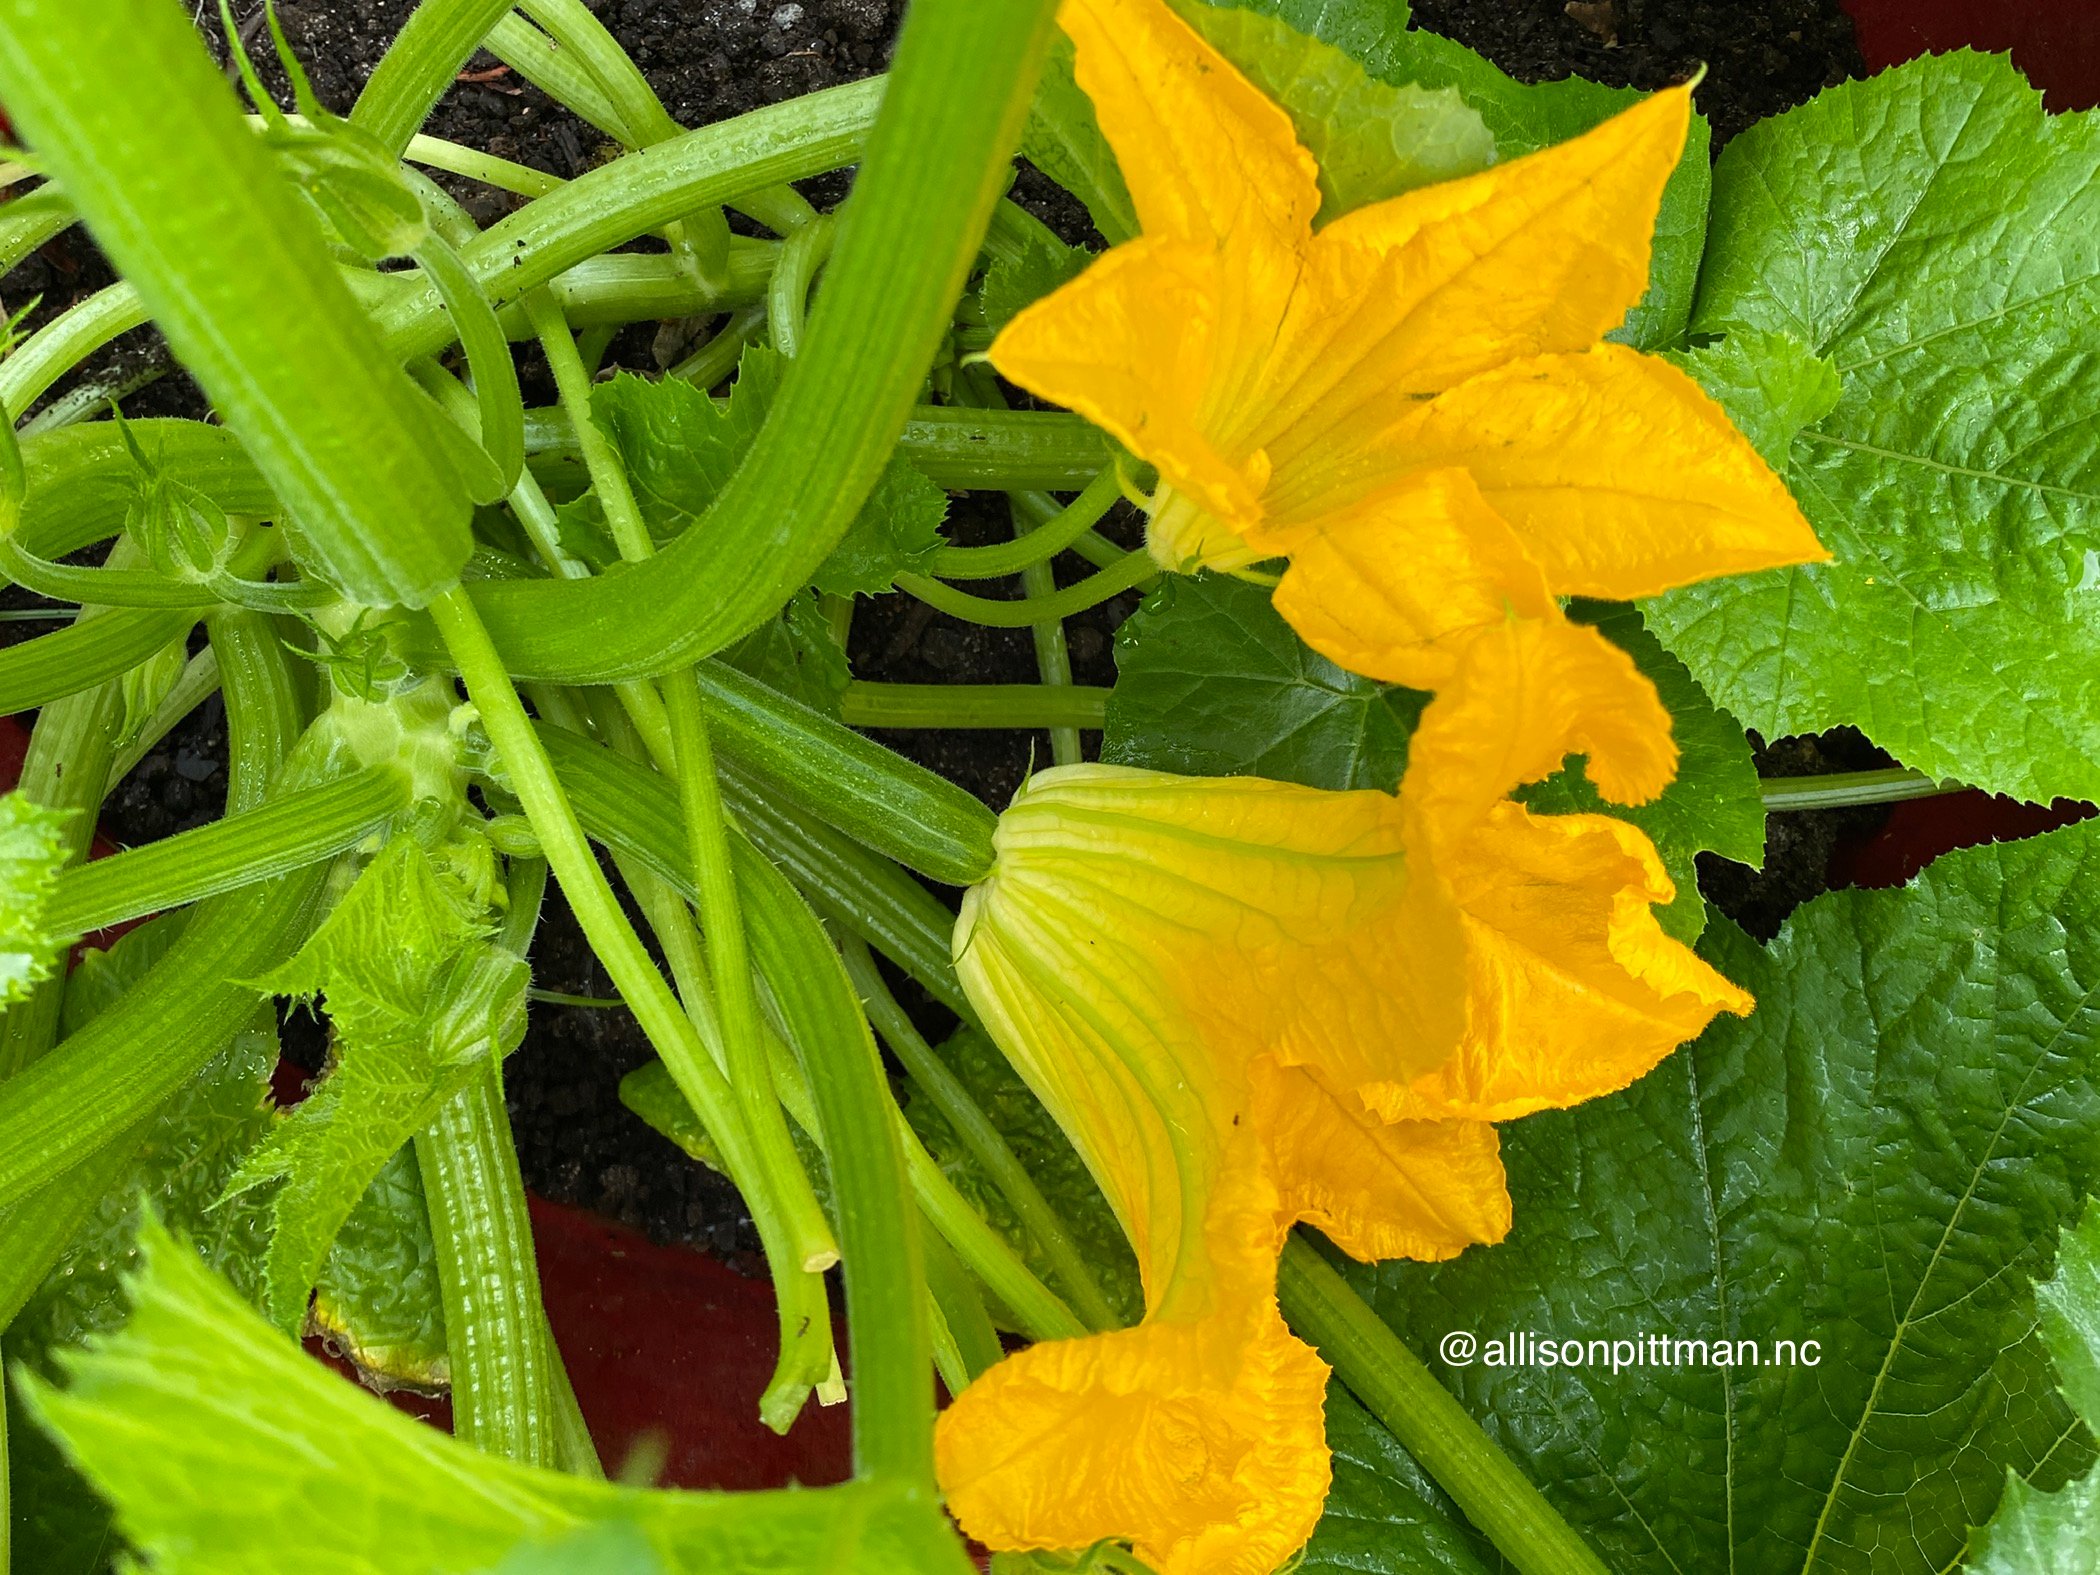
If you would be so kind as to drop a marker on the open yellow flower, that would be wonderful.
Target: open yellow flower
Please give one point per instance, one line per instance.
(1250, 1003)
(1308, 394)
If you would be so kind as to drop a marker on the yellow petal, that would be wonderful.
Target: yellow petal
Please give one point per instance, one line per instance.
(1414, 1189)
(1395, 587)
(1573, 988)
(1526, 695)
(1406, 297)
(1206, 157)
(1129, 344)
(1211, 1456)
(1199, 1434)
(1619, 474)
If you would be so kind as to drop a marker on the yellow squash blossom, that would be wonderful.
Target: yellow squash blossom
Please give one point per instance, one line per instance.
(1321, 395)
(1251, 1003)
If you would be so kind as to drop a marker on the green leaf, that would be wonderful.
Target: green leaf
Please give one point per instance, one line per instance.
(2037, 1533)
(190, 1149)
(223, 1445)
(796, 653)
(1879, 1159)
(32, 853)
(1047, 1156)
(612, 1548)
(1936, 237)
(1042, 264)
(1384, 1514)
(1063, 140)
(1524, 117)
(378, 1298)
(681, 448)
(1210, 681)
(1373, 140)
(1771, 385)
(1713, 805)
(417, 993)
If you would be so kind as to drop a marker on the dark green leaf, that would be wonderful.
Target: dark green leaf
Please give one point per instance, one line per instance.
(2036, 1533)
(378, 1298)
(1372, 139)
(1384, 1514)
(1936, 237)
(796, 653)
(1043, 1152)
(1879, 1159)
(1042, 265)
(1212, 682)
(1712, 806)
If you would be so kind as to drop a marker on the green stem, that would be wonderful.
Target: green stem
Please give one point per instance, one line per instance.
(787, 301)
(420, 64)
(716, 359)
(1844, 789)
(1044, 541)
(1136, 569)
(1423, 1415)
(598, 911)
(984, 1141)
(502, 1395)
(438, 154)
(866, 704)
(289, 832)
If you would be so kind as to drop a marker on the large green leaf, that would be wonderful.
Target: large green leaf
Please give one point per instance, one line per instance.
(1210, 681)
(1384, 1515)
(1712, 807)
(2037, 1533)
(1880, 1160)
(1936, 237)
(418, 993)
(227, 1451)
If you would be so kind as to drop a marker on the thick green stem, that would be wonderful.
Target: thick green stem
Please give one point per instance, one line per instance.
(1423, 1415)
(288, 833)
(1844, 789)
(787, 299)
(1135, 569)
(502, 1393)
(973, 705)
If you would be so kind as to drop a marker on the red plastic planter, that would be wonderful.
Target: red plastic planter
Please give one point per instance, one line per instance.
(2056, 42)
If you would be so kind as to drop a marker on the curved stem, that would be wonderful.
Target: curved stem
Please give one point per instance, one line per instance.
(787, 301)
(1135, 570)
(1392, 1382)
(420, 64)
(1042, 542)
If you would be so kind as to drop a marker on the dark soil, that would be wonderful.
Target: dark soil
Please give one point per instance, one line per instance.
(1761, 56)
(710, 59)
